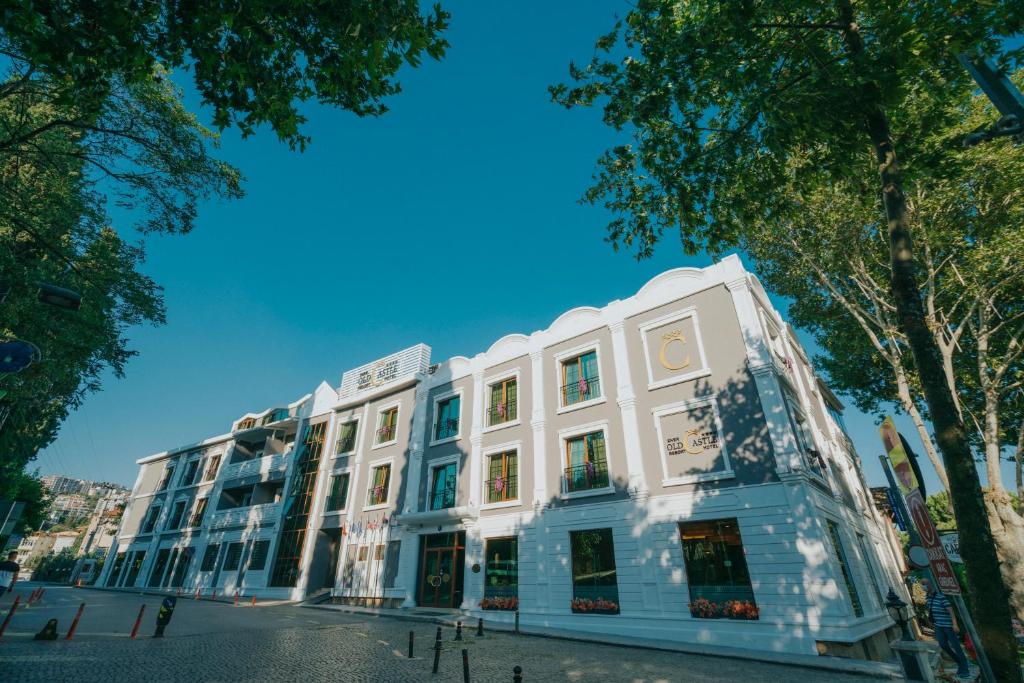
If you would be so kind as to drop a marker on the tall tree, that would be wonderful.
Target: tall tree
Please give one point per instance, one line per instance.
(719, 97)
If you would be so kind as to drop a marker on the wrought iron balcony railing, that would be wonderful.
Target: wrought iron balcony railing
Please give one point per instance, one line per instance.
(445, 498)
(503, 411)
(502, 489)
(585, 477)
(446, 429)
(583, 389)
(385, 433)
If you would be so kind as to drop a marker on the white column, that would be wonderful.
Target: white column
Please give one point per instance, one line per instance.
(476, 438)
(407, 561)
(761, 366)
(415, 470)
(538, 422)
(627, 407)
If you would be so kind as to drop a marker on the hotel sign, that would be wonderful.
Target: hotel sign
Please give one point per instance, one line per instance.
(690, 435)
(398, 366)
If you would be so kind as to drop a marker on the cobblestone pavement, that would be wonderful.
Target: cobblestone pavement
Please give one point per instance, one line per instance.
(218, 642)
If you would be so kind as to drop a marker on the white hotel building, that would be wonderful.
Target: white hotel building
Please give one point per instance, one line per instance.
(668, 466)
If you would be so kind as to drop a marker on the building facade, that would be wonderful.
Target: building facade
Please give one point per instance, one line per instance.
(667, 466)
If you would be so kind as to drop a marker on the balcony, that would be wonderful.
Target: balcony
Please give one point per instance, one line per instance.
(583, 389)
(502, 489)
(385, 434)
(502, 412)
(586, 477)
(261, 466)
(245, 516)
(443, 499)
(446, 429)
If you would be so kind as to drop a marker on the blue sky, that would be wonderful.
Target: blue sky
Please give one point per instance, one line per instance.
(452, 220)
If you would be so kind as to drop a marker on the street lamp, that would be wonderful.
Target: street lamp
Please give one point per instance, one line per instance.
(899, 612)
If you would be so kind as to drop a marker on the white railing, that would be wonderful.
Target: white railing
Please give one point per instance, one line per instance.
(245, 516)
(264, 465)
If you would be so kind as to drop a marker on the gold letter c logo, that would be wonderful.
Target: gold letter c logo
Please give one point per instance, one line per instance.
(668, 338)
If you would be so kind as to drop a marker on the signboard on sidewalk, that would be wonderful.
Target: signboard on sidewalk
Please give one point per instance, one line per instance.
(942, 570)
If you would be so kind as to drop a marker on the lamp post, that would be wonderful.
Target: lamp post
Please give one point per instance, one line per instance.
(913, 654)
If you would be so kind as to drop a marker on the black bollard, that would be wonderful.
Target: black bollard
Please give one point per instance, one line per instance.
(163, 617)
(437, 655)
(438, 637)
(517, 622)
(410, 644)
(517, 674)
(480, 627)
(465, 666)
(48, 632)
(458, 630)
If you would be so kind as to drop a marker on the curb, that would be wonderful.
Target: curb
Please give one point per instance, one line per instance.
(821, 663)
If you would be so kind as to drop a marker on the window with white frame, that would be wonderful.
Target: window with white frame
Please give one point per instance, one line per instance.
(380, 481)
(447, 417)
(199, 512)
(503, 401)
(802, 430)
(165, 480)
(177, 513)
(502, 483)
(152, 515)
(211, 468)
(387, 426)
(346, 441)
(337, 492)
(444, 485)
(586, 463)
(581, 379)
(188, 476)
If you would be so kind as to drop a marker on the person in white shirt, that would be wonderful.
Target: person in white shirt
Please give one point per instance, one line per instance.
(9, 569)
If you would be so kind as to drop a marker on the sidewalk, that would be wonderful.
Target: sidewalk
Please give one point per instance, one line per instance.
(833, 664)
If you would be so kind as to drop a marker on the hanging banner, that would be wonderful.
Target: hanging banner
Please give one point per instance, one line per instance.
(901, 467)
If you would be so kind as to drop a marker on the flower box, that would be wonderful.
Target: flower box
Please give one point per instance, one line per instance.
(702, 608)
(507, 604)
(598, 606)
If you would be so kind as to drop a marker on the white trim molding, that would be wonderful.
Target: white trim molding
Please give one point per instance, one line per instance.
(512, 373)
(677, 316)
(686, 407)
(370, 467)
(564, 435)
(376, 421)
(602, 379)
(516, 446)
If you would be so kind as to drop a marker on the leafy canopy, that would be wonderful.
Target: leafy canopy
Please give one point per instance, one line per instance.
(252, 61)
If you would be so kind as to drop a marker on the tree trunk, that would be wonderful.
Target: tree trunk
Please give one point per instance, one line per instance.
(1018, 457)
(990, 596)
(903, 388)
(1008, 531)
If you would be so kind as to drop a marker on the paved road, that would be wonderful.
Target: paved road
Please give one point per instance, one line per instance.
(218, 642)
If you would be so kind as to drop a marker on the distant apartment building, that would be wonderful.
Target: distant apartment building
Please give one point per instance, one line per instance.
(668, 466)
(69, 507)
(34, 547)
(104, 521)
(57, 484)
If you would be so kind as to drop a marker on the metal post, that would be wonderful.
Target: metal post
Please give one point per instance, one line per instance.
(236, 598)
(458, 630)
(10, 614)
(74, 624)
(517, 622)
(410, 644)
(965, 619)
(138, 622)
(517, 674)
(437, 651)
(480, 627)
(465, 666)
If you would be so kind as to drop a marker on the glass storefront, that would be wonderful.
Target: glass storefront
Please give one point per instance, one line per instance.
(716, 570)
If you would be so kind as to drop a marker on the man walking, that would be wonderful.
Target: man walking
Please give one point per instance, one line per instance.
(9, 569)
(947, 631)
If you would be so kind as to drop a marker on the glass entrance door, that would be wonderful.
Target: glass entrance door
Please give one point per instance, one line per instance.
(441, 570)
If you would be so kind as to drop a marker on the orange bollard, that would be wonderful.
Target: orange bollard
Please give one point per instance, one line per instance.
(236, 598)
(74, 624)
(78, 584)
(10, 614)
(253, 603)
(138, 622)
(32, 597)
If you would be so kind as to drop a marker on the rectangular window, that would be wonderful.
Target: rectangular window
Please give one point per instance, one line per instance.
(233, 557)
(295, 519)
(157, 572)
(868, 560)
(134, 567)
(151, 516)
(346, 442)
(210, 557)
(501, 574)
(504, 404)
(442, 493)
(181, 569)
(378, 552)
(380, 477)
(177, 512)
(447, 424)
(580, 380)
(586, 463)
(388, 426)
(211, 468)
(716, 570)
(187, 477)
(258, 559)
(168, 575)
(165, 480)
(595, 587)
(804, 435)
(115, 571)
(364, 552)
(844, 567)
(199, 512)
(337, 495)
(502, 477)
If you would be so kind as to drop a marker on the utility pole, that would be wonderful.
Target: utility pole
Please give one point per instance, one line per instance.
(1003, 94)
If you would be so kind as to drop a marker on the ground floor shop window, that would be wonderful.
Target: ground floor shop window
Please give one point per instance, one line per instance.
(595, 587)
(181, 569)
(134, 566)
(115, 571)
(157, 573)
(501, 574)
(210, 557)
(716, 570)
